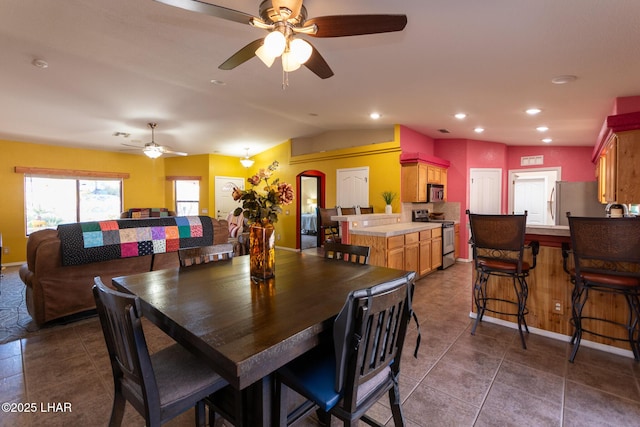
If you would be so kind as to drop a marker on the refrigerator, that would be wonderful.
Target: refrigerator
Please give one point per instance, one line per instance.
(579, 198)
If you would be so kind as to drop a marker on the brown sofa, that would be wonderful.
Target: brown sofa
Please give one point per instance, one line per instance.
(56, 291)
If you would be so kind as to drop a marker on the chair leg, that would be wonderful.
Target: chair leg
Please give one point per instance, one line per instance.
(578, 303)
(117, 411)
(396, 408)
(479, 297)
(522, 291)
(632, 324)
(200, 414)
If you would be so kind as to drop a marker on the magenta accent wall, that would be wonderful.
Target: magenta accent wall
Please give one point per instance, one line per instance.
(575, 161)
(415, 142)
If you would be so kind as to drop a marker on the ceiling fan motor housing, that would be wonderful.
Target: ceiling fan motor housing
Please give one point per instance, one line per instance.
(270, 15)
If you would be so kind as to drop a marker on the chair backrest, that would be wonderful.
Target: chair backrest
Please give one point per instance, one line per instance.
(366, 209)
(120, 316)
(499, 237)
(605, 245)
(204, 254)
(369, 334)
(351, 253)
(348, 211)
(325, 215)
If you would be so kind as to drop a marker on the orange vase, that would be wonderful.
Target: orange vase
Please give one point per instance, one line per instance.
(262, 251)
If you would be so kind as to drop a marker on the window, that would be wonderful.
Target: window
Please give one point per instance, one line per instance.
(52, 201)
(187, 197)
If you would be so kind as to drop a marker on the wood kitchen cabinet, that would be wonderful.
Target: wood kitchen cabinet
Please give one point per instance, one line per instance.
(416, 176)
(619, 169)
(416, 251)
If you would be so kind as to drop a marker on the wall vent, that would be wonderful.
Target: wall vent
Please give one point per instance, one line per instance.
(531, 160)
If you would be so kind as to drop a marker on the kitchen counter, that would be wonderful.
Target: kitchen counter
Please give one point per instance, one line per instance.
(397, 229)
(548, 230)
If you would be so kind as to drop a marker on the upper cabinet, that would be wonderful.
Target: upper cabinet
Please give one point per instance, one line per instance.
(416, 176)
(619, 168)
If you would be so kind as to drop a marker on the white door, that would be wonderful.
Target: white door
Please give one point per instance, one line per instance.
(485, 191)
(352, 187)
(530, 195)
(224, 189)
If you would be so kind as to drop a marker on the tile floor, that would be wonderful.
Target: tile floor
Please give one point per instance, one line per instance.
(457, 379)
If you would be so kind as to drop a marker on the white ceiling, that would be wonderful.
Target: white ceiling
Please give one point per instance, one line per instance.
(115, 65)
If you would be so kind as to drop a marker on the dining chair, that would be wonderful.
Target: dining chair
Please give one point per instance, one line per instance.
(498, 244)
(366, 210)
(606, 255)
(328, 227)
(351, 253)
(159, 386)
(347, 376)
(205, 254)
(347, 211)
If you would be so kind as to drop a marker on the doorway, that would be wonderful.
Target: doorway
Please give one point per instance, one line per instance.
(310, 195)
(352, 187)
(531, 191)
(224, 186)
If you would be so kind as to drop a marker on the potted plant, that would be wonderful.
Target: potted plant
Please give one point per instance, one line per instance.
(388, 197)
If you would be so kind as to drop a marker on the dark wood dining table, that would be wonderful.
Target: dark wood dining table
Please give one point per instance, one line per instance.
(248, 330)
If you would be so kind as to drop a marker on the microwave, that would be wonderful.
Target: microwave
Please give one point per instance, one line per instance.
(435, 193)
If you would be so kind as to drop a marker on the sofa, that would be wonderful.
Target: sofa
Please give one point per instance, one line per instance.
(59, 271)
(146, 213)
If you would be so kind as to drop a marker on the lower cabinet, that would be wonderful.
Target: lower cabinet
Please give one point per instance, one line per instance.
(417, 251)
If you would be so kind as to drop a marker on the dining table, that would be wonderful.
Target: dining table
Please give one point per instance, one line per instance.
(246, 330)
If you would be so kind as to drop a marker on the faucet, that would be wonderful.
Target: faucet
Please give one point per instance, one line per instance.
(612, 206)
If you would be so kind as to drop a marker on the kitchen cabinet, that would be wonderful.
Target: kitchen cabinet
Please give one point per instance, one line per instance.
(419, 251)
(416, 176)
(619, 169)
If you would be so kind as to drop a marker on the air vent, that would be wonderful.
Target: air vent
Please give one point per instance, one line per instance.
(443, 130)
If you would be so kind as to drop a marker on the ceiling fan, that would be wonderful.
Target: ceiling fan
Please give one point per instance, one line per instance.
(284, 19)
(153, 150)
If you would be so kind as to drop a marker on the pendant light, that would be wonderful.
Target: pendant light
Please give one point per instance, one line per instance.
(246, 161)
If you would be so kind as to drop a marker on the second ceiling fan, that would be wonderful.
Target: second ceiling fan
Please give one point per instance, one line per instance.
(284, 19)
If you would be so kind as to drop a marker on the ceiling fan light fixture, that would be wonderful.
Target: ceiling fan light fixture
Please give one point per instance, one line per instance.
(289, 62)
(264, 56)
(301, 50)
(274, 44)
(153, 152)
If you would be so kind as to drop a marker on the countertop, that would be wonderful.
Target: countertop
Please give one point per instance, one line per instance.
(395, 229)
(548, 230)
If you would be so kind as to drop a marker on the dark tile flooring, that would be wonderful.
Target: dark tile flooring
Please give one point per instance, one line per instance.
(457, 379)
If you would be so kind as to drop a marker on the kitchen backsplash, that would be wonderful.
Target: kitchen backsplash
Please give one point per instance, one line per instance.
(451, 210)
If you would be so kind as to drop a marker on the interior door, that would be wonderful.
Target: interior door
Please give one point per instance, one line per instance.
(352, 187)
(485, 191)
(530, 195)
(224, 186)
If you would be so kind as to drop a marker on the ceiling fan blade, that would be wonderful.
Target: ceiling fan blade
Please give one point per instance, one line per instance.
(356, 25)
(177, 153)
(210, 9)
(139, 147)
(241, 56)
(318, 65)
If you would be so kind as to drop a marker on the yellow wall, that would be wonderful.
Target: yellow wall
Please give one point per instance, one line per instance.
(148, 187)
(144, 188)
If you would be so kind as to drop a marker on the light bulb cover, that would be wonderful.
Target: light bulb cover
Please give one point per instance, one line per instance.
(289, 63)
(264, 56)
(275, 43)
(301, 50)
(247, 163)
(152, 152)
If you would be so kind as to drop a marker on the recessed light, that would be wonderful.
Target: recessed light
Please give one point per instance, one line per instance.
(218, 82)
(478, 130)
(375, 116)
(542, 128)
(533, 111)
(40, 63)
(560, 80)
(460, 116)
(547, 140)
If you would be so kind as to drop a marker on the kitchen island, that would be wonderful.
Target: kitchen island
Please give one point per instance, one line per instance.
(415, 246)
(550, 288)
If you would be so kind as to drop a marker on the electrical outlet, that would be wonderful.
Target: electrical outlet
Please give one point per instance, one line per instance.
(5, 249)
(557, 306)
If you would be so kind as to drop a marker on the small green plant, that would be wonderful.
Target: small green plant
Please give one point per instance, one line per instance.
(388, 196)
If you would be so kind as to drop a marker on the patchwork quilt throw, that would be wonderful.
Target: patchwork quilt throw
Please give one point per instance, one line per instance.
(96, 241)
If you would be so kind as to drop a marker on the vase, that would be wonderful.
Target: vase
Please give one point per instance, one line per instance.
(388, 209)
(262, 251)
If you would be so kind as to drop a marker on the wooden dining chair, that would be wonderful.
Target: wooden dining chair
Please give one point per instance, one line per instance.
(351, 253)
(159, 386)
(347, 211)
(205, 254)
(329, 228)
(347, 376)
(366, 210)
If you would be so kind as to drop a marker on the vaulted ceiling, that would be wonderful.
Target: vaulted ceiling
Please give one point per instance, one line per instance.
(114, 66)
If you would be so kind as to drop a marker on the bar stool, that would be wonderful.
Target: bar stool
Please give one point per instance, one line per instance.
(498, 250)
(606, 254)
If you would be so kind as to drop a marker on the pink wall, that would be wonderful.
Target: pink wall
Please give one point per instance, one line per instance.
(415, 142)
(575, 161)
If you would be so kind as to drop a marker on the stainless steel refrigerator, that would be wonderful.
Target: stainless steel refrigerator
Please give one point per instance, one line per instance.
(579, 198)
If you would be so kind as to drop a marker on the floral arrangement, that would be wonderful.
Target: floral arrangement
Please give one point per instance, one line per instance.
(263, 207)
